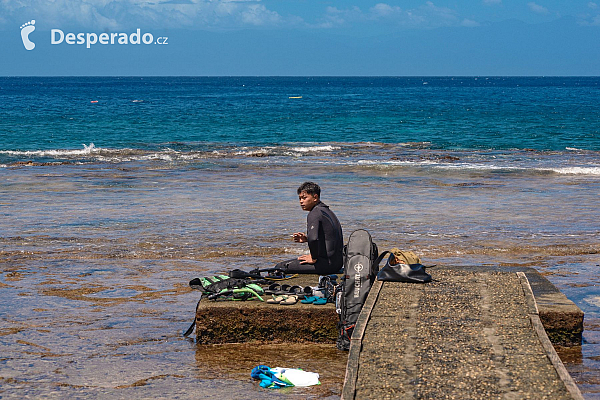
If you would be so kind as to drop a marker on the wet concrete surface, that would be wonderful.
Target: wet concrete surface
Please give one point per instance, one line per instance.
(466, 335)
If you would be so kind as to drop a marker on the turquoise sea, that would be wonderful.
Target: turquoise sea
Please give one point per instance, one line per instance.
(116, 191)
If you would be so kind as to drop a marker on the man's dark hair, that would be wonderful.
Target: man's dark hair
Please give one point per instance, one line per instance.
(310, 188)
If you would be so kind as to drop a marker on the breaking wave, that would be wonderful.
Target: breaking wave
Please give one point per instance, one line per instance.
(578, 170)
(315, 148)
(384, 156)
(87, 150)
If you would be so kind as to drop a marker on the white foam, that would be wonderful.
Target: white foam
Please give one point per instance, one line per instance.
(306, 149)
(396, 162)
(483, 167)
(577, 170)
(196, 155)
(54, 153)
(156, 156)
(259, 152)
(414, 144)
(479, 167)
(562, 171)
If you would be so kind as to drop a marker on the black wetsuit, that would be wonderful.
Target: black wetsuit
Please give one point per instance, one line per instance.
(325, 242)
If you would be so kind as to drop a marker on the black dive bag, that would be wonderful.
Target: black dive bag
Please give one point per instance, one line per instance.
(361, 264)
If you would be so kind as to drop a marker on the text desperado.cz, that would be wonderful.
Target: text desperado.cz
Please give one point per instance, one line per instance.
(57, 37)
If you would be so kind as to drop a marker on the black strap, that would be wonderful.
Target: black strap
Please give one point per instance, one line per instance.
(378, 259)
(193, 325)
(257, 271)
(239, 274)
(215, 296)
(190, 329)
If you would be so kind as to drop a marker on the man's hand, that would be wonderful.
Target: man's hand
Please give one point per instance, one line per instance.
(300, 237)
(306, 259)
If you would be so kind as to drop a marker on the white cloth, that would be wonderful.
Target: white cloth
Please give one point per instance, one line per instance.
(297, 377)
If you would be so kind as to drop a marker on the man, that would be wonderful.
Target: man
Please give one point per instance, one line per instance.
(324, 236)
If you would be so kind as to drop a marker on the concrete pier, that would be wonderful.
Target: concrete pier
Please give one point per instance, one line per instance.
(472, 333)
(242, 321)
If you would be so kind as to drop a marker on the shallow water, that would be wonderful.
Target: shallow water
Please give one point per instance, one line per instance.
(96, 258)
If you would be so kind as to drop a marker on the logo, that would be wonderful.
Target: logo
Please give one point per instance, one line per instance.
(57, 36)
(26, 29)
(89, 39)
(357, 280)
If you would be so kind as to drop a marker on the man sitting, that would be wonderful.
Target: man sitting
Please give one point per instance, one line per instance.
(324, 236)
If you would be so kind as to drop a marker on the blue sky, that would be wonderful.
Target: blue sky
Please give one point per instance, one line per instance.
(304, 37)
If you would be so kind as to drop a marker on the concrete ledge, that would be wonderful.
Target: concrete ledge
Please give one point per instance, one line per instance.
(274, 323)
(545, 341)
(244, 321)
(562, 319)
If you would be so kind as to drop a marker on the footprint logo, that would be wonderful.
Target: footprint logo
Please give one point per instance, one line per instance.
(26, 29)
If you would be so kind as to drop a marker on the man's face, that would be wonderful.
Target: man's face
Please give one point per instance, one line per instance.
(308, 201)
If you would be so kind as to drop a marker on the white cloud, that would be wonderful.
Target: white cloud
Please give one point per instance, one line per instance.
(110, 15)
(441, 12)
(337, 17)
(384, 10)
(115, 15)
(257, 14)
(588, 20)
(469, 23)
(592, 5)
(426, 16)
(536, 8)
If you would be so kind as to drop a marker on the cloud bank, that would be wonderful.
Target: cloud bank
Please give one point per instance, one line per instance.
(230, 15)
(536, 8)
(110, 14)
